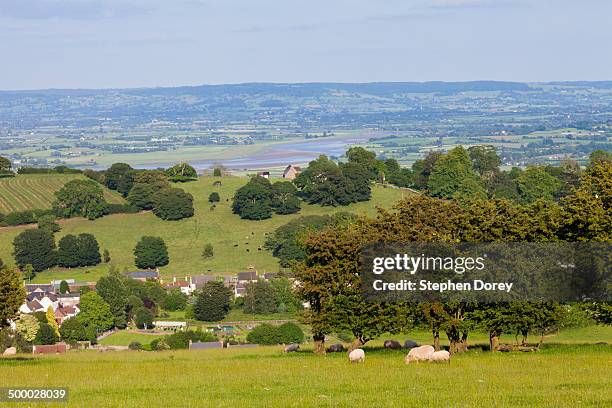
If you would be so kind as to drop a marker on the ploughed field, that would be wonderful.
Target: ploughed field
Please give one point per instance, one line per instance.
(36, 191)
(237, 243)
(557, 376)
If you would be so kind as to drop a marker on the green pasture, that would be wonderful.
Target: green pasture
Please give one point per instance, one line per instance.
(36, 191)
(237, 243)
(559, 376)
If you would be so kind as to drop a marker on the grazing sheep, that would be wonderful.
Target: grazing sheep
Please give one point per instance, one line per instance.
(422, 353)
(292, 347)
(410, 344)
(392, 344)
(441, 355)
(357, 356)
(335, 348)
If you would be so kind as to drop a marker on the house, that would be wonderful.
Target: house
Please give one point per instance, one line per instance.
(198, 281)
(44, 299)
(143, 275)
(185, 286)
(244, 277)
(39, 288)
(264, 174)
(76, 286)
(69, 299)
(31, 307)
(240, 289)
(291, 172)
(60, 316)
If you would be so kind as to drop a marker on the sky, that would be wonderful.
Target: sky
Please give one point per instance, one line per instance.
(151, 43)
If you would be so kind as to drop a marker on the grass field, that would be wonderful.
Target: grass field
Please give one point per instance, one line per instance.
(36, 191)
(186, 238)
(559, 376)
(124, 338)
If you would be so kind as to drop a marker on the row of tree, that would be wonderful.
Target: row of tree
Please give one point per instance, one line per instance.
(330, 274)
(259, 198)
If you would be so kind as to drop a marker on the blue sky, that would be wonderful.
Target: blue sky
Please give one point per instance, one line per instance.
(136, 43)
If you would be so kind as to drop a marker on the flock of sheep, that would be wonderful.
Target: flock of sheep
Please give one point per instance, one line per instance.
(421, 353)
(416, 353)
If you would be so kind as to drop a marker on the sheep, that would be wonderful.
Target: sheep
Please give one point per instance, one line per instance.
(335, 348)
(410, 344)
(291, 347)
(422, 353)
(357, 356)
(441, 355)
(392, 344)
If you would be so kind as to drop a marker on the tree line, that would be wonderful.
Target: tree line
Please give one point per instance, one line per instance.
(329, 275)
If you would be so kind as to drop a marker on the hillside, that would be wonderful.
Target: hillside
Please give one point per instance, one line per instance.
(35, 191)
(236, 242)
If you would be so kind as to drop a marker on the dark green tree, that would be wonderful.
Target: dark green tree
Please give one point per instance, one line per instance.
(212, 303)
(173, 204)
(80, 198)
(143, 318)
(359, 177)
(214, 197)
(181, 172)
(89, 250)
(485, 160)
(47, 222)
(68, 254)
(35, 247)
(106, 256)
(175, 300)
(45, 335)
(253, 201)
(112, 290)
(12, 294)
(150, 253)
(259, 298)
(64, 288)
(73, 331)
(120, 177)
(322, 182)
(535, 183)
(141, 196)
(5, 164)
(217, 172)
(284, 198)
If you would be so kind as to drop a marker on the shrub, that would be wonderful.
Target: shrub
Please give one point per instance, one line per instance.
(72, 330)
(265, 333)
(20, 218)
(290, 333)
(180, 340)
(122, 209)
(135, 346)
(159, 345)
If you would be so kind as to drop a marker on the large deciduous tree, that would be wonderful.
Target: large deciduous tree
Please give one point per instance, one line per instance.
(112, 290)
(95, 312)
(454, 176)
(35, 247)
(172, 204)
(80, 198)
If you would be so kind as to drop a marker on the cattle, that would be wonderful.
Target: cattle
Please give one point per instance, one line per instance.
(441, 355)
(357, 356)
(291, 348)
(422, 353)
(410, 344)
(392, 344)
(335, 348)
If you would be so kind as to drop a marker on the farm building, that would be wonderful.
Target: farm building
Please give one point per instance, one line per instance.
(291, 172)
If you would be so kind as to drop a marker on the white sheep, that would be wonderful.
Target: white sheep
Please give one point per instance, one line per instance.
(421, 353)
(357, 356)
(441, 355)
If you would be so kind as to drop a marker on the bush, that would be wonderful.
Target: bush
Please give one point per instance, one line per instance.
(265, 334)
(72, 330)
(159, 345)
(180, 340)
(20, 218)
(290, 333)
(174, 300)
(122, 209)
(135, 346)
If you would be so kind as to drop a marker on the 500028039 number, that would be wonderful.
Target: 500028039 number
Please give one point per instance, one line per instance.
(16, 394)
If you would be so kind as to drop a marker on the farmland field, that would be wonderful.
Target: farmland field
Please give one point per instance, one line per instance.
(557, 376)
(36, 191)
(237, 243)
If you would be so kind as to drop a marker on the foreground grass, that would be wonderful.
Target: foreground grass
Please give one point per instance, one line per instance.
(565, 376)
(186, 238)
